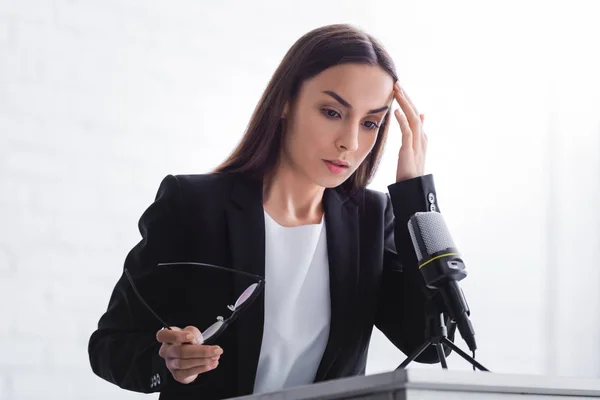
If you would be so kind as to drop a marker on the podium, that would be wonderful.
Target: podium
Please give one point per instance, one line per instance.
(427, 384)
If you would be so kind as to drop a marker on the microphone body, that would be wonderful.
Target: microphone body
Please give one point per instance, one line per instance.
(442, 267)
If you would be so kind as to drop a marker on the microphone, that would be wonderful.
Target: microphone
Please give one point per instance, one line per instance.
(442, 267)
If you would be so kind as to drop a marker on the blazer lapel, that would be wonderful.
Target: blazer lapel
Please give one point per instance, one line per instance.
(341, 219)
(245, 218)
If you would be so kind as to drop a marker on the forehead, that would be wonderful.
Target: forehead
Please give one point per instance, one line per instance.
(363, 86)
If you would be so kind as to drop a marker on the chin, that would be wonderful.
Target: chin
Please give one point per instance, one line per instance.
(330, 182)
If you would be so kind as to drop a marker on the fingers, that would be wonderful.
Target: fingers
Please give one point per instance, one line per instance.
(424, 139)
(184, 368)
(407, 139)
(184, 354)
(175, 336)
(190, 334)
(188, 375)
(198, 339)
(190, 351)
(188, 363)
(408, 99)
(411, 112)
(414, 119)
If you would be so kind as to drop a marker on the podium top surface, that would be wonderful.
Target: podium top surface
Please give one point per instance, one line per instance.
(442, 381)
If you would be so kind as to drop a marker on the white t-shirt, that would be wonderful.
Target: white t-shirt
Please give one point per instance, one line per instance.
(297, 305)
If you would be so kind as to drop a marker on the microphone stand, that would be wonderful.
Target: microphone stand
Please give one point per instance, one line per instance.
(436, 334)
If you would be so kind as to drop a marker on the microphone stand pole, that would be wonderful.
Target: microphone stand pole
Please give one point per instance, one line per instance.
(436, 334)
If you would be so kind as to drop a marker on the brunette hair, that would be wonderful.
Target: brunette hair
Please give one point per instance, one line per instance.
(258, 151)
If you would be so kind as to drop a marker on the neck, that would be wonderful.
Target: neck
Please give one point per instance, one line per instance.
(291, 199)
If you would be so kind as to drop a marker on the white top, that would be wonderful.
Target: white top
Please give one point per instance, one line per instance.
(297, 305)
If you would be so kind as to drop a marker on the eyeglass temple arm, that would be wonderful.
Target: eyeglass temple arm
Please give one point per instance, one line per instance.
(261, 283)
(141, 299)
(248, 274)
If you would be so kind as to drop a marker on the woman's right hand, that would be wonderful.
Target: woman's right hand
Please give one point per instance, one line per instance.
(185, 355)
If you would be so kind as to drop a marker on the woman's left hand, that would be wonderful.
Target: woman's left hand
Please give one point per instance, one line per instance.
(411, 158)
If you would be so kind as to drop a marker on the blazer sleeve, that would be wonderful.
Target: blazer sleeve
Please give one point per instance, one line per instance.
(403, 296)
(123, 349)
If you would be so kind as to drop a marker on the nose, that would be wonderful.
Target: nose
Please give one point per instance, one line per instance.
(348, 139)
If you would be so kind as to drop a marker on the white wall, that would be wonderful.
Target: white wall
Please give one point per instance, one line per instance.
(100, 99)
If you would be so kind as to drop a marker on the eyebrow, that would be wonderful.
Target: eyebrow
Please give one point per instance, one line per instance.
(343, 102)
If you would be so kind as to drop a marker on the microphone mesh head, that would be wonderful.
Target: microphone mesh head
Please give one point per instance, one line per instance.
(433, 231)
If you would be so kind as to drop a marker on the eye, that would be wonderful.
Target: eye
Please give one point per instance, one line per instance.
(328, 112)
(371, 125)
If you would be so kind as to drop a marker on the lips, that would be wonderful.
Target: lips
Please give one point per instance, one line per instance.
(338, 163)
(336, 166)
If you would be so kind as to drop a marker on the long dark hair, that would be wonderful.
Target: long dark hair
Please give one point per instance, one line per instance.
(258, 152)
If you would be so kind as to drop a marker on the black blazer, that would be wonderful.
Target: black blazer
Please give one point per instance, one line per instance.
(218, 219)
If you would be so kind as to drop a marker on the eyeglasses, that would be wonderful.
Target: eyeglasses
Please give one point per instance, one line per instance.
(211, 333)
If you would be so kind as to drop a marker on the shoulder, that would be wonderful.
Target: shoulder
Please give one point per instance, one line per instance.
(197, 189)
(201, 184)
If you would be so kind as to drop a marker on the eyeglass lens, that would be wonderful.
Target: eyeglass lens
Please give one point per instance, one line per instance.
(214, 328)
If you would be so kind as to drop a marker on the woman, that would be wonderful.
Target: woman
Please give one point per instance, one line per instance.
(289, 204)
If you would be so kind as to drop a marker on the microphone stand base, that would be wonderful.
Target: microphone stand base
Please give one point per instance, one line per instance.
(437, 333)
